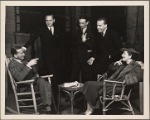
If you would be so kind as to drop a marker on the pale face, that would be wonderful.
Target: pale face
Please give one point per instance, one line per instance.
(83, 23)
(101, 26)
(126, 56)
(49, 20)
(20, 54)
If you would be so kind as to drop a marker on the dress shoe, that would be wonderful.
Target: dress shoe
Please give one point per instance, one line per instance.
(46, 112)
(49, 112)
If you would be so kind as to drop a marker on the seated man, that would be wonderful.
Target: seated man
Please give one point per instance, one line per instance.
(23, 70)
(125, 69)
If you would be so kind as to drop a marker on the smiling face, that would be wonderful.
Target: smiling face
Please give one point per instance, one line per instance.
(20, 54)
(101, 26)
(83, 23)
(49, 20)
(126, 56)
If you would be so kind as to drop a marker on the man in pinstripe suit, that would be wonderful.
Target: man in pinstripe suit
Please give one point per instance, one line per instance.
(23, 70)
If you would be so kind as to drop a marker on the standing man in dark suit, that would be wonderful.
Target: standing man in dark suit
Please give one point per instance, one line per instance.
(50, 38)
(108, 45)
(83, 52)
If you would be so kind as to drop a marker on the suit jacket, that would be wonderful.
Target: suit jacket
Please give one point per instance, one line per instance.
(83, 50)
(109, 44)
(20, 71)
(50, 44)
(106, 46)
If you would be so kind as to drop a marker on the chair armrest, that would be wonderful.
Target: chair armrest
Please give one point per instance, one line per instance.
(26, 81)
(46, 76)
(112, 81)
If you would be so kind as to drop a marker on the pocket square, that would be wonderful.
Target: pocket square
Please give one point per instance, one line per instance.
(89, 50)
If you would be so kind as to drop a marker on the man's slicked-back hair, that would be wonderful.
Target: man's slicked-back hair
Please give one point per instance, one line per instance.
(14, 50)
(104, 19)
(84, 17)
(50, 15)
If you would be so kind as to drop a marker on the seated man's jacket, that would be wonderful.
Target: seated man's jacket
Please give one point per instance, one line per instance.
(20, 71)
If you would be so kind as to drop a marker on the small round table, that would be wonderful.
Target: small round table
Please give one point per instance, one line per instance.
(71, 91)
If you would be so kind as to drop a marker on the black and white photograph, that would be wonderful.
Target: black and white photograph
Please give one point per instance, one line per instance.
(75, 59)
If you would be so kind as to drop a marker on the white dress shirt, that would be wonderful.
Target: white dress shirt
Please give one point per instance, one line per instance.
(52, 29)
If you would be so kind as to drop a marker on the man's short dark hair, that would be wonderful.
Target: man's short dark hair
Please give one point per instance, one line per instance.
(14, 50)
(104, 19)
(50, 15)
(84, 17)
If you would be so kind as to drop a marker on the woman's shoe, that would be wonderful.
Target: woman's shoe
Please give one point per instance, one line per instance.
(88, 112)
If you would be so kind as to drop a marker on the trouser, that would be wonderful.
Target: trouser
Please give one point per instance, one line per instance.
(82, 70)
(40, 85)
(54, 68)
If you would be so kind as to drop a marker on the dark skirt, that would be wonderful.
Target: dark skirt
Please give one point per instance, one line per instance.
(91, 92)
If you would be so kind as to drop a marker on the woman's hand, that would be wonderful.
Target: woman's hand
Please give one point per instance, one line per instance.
(118, 62)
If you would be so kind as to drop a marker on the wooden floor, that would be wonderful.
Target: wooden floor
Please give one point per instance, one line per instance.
(79, 107)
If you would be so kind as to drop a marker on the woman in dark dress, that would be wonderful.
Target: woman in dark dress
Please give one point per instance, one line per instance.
(125, 69)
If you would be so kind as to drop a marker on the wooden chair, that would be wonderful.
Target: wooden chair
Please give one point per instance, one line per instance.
(31, 93)
(123, 96)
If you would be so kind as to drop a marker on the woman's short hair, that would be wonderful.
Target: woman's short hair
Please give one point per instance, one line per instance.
(134, 56)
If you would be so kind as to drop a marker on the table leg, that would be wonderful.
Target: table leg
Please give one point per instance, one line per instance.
(71, 100)
(59, 94)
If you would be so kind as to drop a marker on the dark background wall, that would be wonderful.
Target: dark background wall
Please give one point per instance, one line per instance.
(128, 21)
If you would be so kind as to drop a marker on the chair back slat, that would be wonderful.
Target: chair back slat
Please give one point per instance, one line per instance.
(117, 92)
(123, 90)
(13, 83)
(113, 93)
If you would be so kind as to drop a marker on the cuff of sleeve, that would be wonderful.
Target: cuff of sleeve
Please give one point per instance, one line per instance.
(29, 67)
(24, 48)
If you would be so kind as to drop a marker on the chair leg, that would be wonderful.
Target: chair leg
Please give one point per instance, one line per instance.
(17, 104)
(54, 103)
(103, 105)
(104, 112)
(59, 95)
(131, 107)
(34, 100)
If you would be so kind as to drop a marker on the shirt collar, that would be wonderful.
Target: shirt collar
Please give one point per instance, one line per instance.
(84, 29)
(18, 60)
(104, 32)
(50, 27)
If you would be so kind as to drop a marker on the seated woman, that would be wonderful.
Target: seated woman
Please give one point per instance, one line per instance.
(125, 69)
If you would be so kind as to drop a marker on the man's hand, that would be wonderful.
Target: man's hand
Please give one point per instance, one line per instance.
(84, 37)
(90, 61)
(32, 62)
(24, 48)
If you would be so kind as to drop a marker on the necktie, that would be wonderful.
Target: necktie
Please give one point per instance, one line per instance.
(50, 30)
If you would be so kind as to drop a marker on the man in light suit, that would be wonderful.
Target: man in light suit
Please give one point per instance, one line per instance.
(83, 51)
(23, 70)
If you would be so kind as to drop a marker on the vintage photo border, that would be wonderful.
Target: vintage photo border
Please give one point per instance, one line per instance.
(77, 3)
